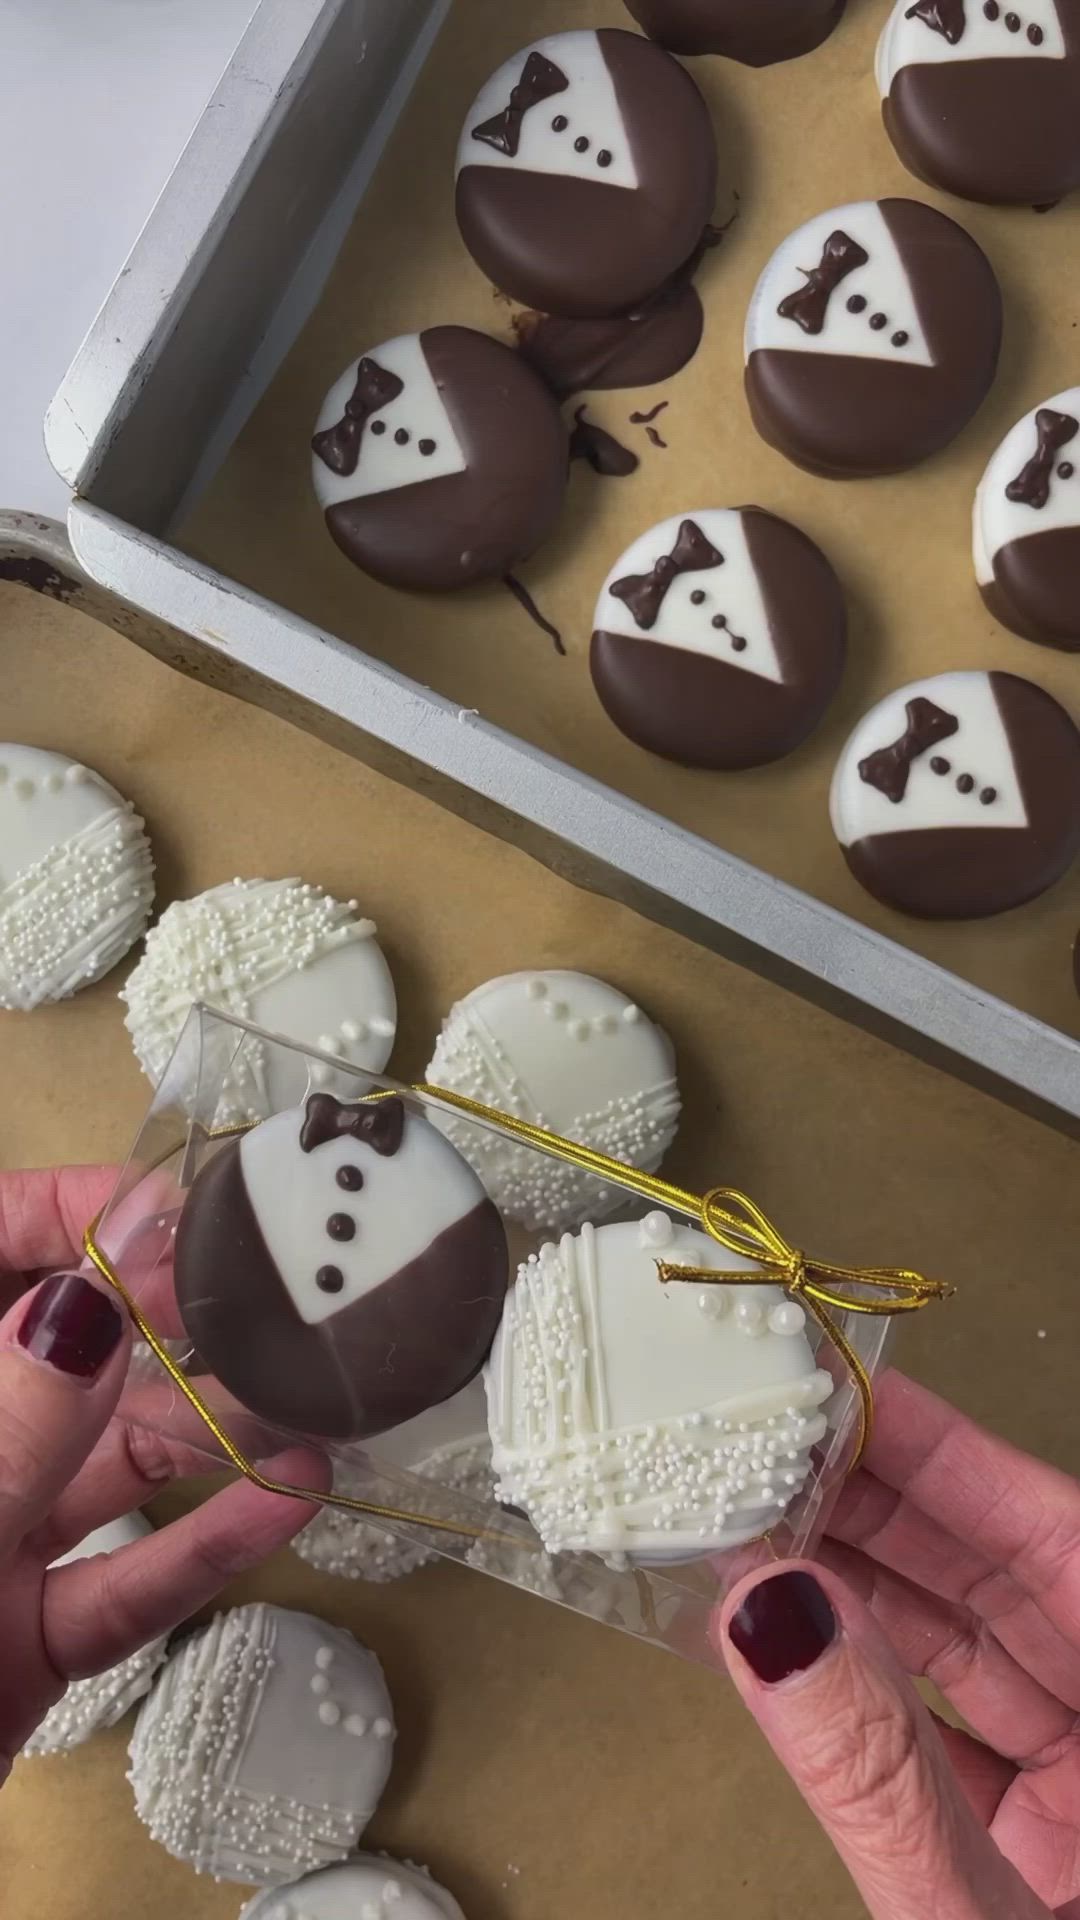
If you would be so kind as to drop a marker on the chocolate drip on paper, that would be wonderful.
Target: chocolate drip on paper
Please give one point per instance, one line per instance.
(888, 769)
(524, 599)
(604, 453)
(808, 307)
(339, 447)
(541, 80)
(941, 16)
(656, 437)
(643, 593)
(646, 419)
(1054, 430)
(380, 1126)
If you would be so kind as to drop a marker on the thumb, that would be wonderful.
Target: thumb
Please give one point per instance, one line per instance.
(842, 1716)
(63, 1354)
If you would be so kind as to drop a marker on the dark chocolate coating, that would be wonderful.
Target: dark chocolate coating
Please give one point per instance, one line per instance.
(1035, 591)
(844, 417)
(966, 873)
(479, 524)
(437, 1317)
(631, 350)
(757, 32)
(705, 712)
(586, 250)
(1004, 131)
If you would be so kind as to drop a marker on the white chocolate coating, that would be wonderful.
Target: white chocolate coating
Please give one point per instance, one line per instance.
(449, 1445)
(264, 1748)
(732, 589)
(282, 955)
(569, 1053)
(883, 283)
(418, 410)
(997, 520)
(370, 1887)
(76, 877)
(90, 1705)
(979, 747)
(909, 42)
(407, 1200)
(589, 104)
(659, 1422)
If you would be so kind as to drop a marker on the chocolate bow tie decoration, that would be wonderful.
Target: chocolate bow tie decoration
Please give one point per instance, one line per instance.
(339, 447)
(889, 767)
(840, 256)
(941, 16)
(1031, 488)
(540, 81)
(644, 593)
(380, 1126)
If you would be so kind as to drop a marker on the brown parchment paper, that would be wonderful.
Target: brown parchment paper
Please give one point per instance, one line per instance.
(547, 1766)
(795, 139)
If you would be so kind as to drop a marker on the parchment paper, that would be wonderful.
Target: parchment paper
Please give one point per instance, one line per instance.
(547, 1766)
(797, 139)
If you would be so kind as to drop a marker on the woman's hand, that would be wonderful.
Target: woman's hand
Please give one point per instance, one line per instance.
(957, 1558)
(67, 1467)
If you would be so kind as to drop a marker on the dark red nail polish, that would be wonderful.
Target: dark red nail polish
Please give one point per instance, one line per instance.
(71, 1325)
(783, 1626)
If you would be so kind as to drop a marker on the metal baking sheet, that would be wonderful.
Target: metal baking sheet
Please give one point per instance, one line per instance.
(213, 296)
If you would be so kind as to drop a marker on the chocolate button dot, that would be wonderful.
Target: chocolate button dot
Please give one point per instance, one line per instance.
(1012, 21)
(878, 320)
(738, 644)
(965, 784)
(1066, 470)
(719, 619)
(900, 338)
(581, 144)
(991, 9)
(1035, 35)
(939, 764)
(402, 436)
(378, 426)
(427, 446)
(856, 304)
(341, 1226)
(350, 1178)
(330, 1279)
(560, 123)
(604, 158)
(697, 598)
(988, 796)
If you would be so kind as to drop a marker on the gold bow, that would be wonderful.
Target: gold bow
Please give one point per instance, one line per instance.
(728, 1216)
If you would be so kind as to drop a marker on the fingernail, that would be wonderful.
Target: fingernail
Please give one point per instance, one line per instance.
(783, 1626)
(71, 1325)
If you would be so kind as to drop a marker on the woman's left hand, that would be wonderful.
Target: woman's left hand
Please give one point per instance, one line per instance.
(68, 1465)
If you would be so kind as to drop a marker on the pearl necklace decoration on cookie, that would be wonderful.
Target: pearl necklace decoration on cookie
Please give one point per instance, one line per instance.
(569, 1053)
(264, 1748)
(280, 954)
(628, 1418)
(76, 877)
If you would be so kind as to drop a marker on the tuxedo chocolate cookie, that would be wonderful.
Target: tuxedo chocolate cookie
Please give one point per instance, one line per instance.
(1027, 525)
(340, 1268)
(439, 459)
(872, 337)
(959, 796)
(757, 32)
(586, 173)
(719, 638)
(982, 97)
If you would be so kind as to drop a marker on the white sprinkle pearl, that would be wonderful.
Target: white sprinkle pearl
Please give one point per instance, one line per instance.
(356, 1725)
(657, 1230)
(537, 989)
(319, 1683)
(787, 1318)
(750, 1317)
(329, 1713)
(324, 1658)
(382, 1729)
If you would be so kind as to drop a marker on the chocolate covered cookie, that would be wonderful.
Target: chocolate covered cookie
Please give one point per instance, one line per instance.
(757, 32)
(872, 337)
(586, 173)
(1027, 525)
(982, 97)
(959, 796)
(439, 459)
(328, 1242)
(719, 638)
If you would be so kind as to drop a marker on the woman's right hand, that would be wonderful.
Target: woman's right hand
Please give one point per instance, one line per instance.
(956, 1558)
